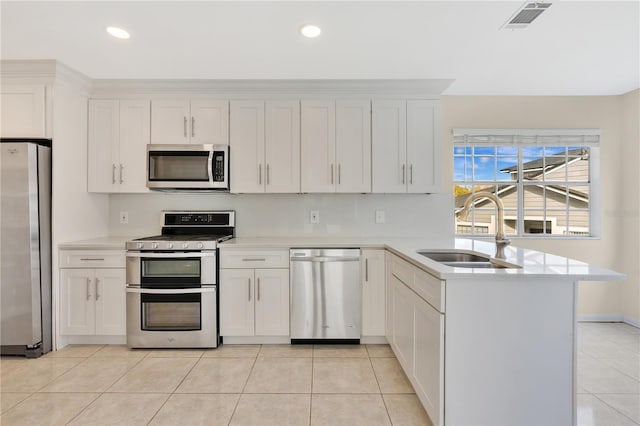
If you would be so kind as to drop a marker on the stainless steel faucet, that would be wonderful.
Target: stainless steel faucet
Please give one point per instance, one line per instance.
(501, 240)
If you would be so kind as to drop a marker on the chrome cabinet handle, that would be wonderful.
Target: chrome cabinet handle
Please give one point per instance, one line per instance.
(94, 259)
(113, 174)
(97, 289)
(121, 173)
(366, 270)
(403, 174)
(339, 173)
(258, 289)
(331, 173)
(257, 259)
(268, 174)
(88, 291)
(411, 174)
(249, 290)
(260, 174)
(193, 126)
(185, 126)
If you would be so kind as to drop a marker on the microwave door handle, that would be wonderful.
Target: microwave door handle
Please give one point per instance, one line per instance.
(210, 167)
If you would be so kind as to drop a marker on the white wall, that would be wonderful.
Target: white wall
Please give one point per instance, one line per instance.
(598, 299)
(288, 214)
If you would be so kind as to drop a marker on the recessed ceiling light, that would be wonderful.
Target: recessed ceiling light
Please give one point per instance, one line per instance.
(310, 31)
(118, 32)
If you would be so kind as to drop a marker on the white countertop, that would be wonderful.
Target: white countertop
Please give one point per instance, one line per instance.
(99, 243)
(532, 263)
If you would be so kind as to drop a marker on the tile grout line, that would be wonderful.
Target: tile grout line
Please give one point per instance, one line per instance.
(386, 409)
(235, 408)
(174, 389)
(614, 408)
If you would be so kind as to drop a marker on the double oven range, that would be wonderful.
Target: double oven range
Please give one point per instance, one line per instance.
(172, 281)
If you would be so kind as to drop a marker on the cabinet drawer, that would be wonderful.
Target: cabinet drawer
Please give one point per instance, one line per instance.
(429, 288)
(254, 258)
(402, 270)
(92, 259)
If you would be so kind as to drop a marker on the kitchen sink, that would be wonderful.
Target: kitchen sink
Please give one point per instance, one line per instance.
(459, 259)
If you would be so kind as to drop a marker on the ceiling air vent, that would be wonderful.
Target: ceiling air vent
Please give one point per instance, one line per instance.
(526, 15)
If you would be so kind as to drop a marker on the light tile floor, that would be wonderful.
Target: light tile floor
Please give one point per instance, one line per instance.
(231, 385)
(276, 385)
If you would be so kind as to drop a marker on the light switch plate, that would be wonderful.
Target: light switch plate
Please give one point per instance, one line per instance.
(124, 217)
(314, 216)
(380, 216)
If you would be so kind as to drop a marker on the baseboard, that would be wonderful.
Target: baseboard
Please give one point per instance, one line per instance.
(610, 318)
(256, 340)
(373, 340)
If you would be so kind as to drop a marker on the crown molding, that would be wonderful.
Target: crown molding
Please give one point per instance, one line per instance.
(424, 88)
(45, 71)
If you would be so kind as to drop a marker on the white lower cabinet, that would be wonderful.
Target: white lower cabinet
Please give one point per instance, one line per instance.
(373, 292)
(92, 301)
(415, 331)
(254, 302)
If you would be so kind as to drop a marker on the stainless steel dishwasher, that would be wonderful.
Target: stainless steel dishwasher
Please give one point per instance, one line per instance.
(326, 296)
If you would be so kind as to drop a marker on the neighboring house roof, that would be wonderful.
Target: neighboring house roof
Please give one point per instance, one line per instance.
(534, 169)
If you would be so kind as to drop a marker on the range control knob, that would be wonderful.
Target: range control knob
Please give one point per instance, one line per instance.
(154, 245)
(200, 245)
(185, 245)
(140, 245)
(169, 245)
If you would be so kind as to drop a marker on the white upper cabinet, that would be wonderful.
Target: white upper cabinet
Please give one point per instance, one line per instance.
(23, 111)
(318, 146)
(353, 146)
(265, 146)
(405, 140)
(336, 146)
(202, 121)
(282, 146)
(118, 136)
(423, 148)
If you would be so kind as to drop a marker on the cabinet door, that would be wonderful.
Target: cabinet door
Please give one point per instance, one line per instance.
(135, 123)
(111, 302)
(423, 148)
(23, 111)
(389, 146)
(104, 137)
(272, 302)
(77, 302)
(236, 302)
(209, 122)
(247, 145)
(373, 293)
(353, 146)
(282, 154)
(403, 324)
(428, 373)
(170, 121)
(318, 146)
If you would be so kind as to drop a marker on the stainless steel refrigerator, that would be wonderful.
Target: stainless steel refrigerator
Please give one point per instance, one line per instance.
(25, 248)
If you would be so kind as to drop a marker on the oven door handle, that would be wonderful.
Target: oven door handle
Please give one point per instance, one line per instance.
(171, 291)
(172, 255)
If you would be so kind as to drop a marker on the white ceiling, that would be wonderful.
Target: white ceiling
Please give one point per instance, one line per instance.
(574, 48)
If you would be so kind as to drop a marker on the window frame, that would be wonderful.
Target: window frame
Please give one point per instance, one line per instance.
(521, 138)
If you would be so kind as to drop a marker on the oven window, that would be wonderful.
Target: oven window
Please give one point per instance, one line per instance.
(171, 268)
(179, 166)
(171, 312)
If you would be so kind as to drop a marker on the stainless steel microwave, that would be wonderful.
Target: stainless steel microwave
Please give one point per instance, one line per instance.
(188, 167)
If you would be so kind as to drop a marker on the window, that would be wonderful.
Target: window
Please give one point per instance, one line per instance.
(543, 177)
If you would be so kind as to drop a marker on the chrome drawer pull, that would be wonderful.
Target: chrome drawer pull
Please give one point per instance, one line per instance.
(260, 259)
(92, 259)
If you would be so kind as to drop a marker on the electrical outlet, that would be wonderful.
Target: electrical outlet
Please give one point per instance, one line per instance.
(379, 216)
(314, 216)
(124, 217)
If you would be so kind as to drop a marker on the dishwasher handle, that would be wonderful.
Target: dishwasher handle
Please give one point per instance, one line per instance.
(325, 259)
